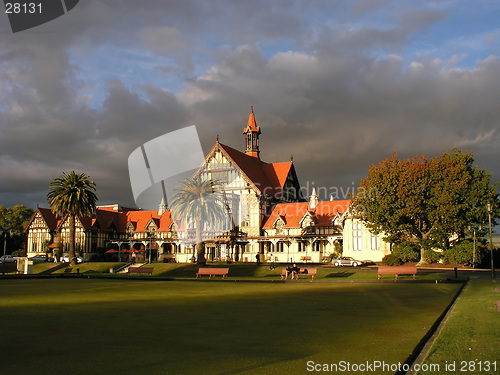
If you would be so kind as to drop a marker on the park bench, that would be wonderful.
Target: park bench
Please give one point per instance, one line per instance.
(310, 272)
(67, 271)
(212, 272)
(305, 259)
(141, 270)
(283, 273)
(397, 270)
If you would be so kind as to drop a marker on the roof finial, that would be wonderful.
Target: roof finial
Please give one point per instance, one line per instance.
(291, 157)
(217, 138)
(251, 108)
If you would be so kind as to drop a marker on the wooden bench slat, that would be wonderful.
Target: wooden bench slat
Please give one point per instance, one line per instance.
(310, 272)
(397, 270)
(212, 272)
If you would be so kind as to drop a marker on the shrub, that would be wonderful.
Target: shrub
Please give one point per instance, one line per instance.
(431, 256)
(463, 253)
(391, 260)
(19, 253)
(407, 252)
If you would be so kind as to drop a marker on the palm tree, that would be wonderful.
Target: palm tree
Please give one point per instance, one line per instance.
(72, 195)
(197, 200)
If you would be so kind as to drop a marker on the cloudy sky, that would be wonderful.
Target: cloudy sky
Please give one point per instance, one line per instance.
(338, 84)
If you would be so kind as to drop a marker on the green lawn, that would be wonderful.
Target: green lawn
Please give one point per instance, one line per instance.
(251, 271)
(470, 337)
(89, 326)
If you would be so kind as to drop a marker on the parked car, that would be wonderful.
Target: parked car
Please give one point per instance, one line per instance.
(347, 261)
(7, 259)
(65, 259)
(40, 258)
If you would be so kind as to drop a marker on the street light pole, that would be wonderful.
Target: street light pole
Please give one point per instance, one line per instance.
(4, 248)
(474, 251)
(5, 230)
(469, 228)
(491, 241)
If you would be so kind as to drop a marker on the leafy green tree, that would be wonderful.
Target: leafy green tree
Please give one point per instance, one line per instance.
(406, 251)
(197, 200)
(72, 195)
(13, 222)
(424, 201)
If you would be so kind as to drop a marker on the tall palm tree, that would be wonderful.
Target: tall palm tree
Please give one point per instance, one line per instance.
(197, 200)
(72, 195)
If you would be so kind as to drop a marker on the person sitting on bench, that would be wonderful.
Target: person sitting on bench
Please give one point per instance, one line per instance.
(295, 270)
(288, 271)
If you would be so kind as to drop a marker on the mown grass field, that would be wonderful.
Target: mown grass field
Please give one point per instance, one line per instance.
(249, 271)
(116, 326)
(470, 338)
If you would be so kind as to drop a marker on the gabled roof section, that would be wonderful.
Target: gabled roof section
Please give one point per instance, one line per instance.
(107, 219)
(267, 178)
(50, 218)
(153, 222)
(309, 219)
(294, 213)
(131, 225)
(280, 219)
(141, 220)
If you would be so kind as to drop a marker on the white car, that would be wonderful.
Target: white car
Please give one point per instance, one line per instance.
(7, 259)
(347, 261)
(65, 259)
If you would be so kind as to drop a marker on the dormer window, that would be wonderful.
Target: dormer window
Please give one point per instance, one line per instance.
(279, 227)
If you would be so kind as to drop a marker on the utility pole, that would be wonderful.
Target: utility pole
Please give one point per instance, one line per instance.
(490, 211)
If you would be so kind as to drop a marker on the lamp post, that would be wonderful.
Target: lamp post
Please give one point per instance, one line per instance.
(7, 229)
(4, 247)
(474, 247)
(490, 211)
(151, 234)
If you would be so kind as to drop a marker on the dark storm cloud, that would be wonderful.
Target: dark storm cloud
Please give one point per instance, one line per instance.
(338, 118)
(338, 96)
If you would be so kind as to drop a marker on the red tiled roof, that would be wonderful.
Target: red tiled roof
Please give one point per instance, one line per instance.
(142, 218)
(293, 213)
(106, 219)
(267, 177)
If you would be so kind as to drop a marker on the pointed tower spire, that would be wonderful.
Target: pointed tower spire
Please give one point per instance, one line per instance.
(252, 132)
(313, 200)
(162, 208)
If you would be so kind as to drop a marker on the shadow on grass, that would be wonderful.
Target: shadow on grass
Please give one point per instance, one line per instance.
(183, 270)
(54, 268)
(340, 274)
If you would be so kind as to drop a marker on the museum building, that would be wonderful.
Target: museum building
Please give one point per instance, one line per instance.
(268, 219)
